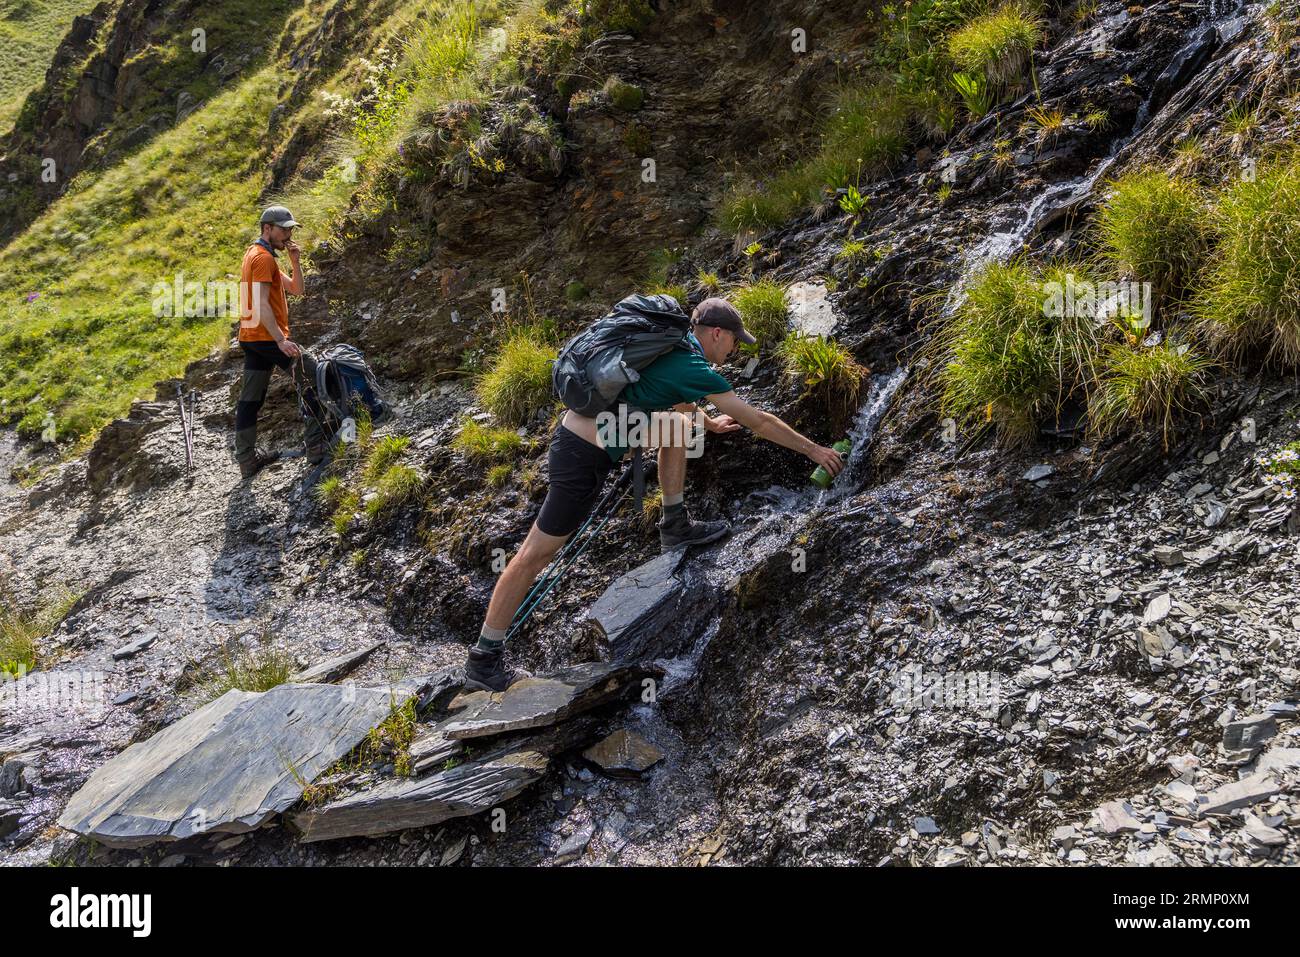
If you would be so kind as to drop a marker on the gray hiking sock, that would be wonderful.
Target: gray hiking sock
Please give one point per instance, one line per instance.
(491, 639)
(675, 514)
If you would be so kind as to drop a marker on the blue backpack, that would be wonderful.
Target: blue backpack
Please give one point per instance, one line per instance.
(345, 384)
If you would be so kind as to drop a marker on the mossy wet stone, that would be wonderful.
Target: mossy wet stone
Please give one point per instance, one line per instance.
(624, 754)
(228, 767)
(625, 96)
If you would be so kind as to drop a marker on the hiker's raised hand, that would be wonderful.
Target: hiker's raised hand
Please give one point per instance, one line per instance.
(290, 348)
(828, 459)
(722, 423)
(293, 249)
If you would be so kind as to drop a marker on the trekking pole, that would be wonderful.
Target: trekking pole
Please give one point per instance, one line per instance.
(568, 555)
(185, 431)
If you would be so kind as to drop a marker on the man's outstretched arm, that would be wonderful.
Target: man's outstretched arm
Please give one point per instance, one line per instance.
(769, 427)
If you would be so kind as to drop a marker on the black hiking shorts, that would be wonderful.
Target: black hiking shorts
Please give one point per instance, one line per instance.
(578, 471)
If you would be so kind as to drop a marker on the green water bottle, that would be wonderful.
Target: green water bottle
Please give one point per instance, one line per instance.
(822, 477)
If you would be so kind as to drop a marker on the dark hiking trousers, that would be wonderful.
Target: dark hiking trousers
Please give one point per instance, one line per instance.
(260, 359)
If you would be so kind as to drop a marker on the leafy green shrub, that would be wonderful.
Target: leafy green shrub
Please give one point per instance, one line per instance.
(1249, 295)
(975, 92)
(998, 44)
(485, 444)
(499, 475)
(1145, 385)
(518, 379)
(1152, 226)
(765, 310)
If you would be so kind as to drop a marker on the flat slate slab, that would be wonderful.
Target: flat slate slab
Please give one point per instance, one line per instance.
(635, 611)
(418, 802)
(469, 788)
(333, 669)
(226, 768)
(538, 702)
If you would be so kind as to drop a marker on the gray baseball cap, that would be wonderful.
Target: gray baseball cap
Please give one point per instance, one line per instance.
(720, 313)
(279, 216)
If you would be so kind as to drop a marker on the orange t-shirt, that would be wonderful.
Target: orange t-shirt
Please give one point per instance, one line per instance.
(260, 266)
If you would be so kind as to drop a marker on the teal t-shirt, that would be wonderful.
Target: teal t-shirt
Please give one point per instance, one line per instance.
(680, 375)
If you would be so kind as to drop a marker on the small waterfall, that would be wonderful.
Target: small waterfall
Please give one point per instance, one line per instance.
(1058, 197)
(883, 389)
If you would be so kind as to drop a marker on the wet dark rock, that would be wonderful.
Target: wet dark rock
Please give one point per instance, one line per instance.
(537, 702)
(11, 815)
(632, 615)
(226, 768)
(624, 753)
(464, 789)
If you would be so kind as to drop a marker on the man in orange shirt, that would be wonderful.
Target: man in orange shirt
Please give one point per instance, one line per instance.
(264, 338)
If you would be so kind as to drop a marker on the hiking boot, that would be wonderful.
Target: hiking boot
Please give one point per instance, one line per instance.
(487, 670)
(260, 460)
(317, 453)
(684, 532)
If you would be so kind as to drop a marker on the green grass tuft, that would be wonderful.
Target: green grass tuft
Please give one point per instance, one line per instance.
(1004, 360)
(1249, 294)
(22, 630)
(998, 44)
(765, 310)
(396, 486)
(484, 444)
(828, 371)
(249, 669)
(383, 454)
(518, 378)
(1140, 385)
(1152, 227)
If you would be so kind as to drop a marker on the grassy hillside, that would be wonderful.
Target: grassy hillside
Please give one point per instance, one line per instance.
(29, 32)
(79, 339)
(78, 335)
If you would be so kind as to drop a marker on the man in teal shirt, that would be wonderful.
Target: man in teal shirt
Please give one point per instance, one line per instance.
(583, 451)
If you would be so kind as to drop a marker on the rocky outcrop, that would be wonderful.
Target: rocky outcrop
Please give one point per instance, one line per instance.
(227, 768)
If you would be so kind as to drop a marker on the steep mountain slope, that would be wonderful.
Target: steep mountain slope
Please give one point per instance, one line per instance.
(1096, 607)
(29, 32)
